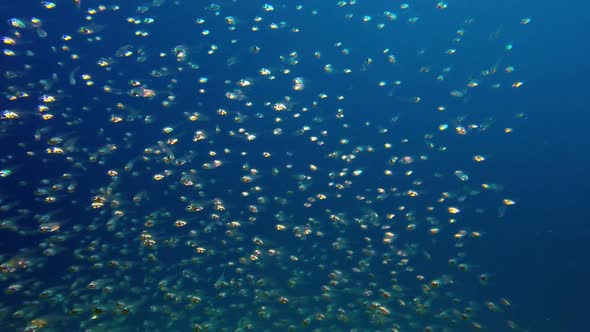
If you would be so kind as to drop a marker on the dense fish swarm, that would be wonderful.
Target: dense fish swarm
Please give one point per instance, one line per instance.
(251, 166)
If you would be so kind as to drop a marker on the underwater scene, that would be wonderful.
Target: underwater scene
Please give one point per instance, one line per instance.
(292, 165)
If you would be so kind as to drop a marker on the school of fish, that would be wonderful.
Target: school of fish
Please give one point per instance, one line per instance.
(252, 166)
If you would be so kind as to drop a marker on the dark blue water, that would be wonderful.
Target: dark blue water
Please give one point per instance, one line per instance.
(536, 253)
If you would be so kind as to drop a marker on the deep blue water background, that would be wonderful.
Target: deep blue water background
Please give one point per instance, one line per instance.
(539, 252)
(545, 244)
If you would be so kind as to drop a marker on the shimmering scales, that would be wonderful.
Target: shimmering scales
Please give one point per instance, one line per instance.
(251, 166)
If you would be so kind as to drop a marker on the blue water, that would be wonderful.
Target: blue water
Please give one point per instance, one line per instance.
(536, 252)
